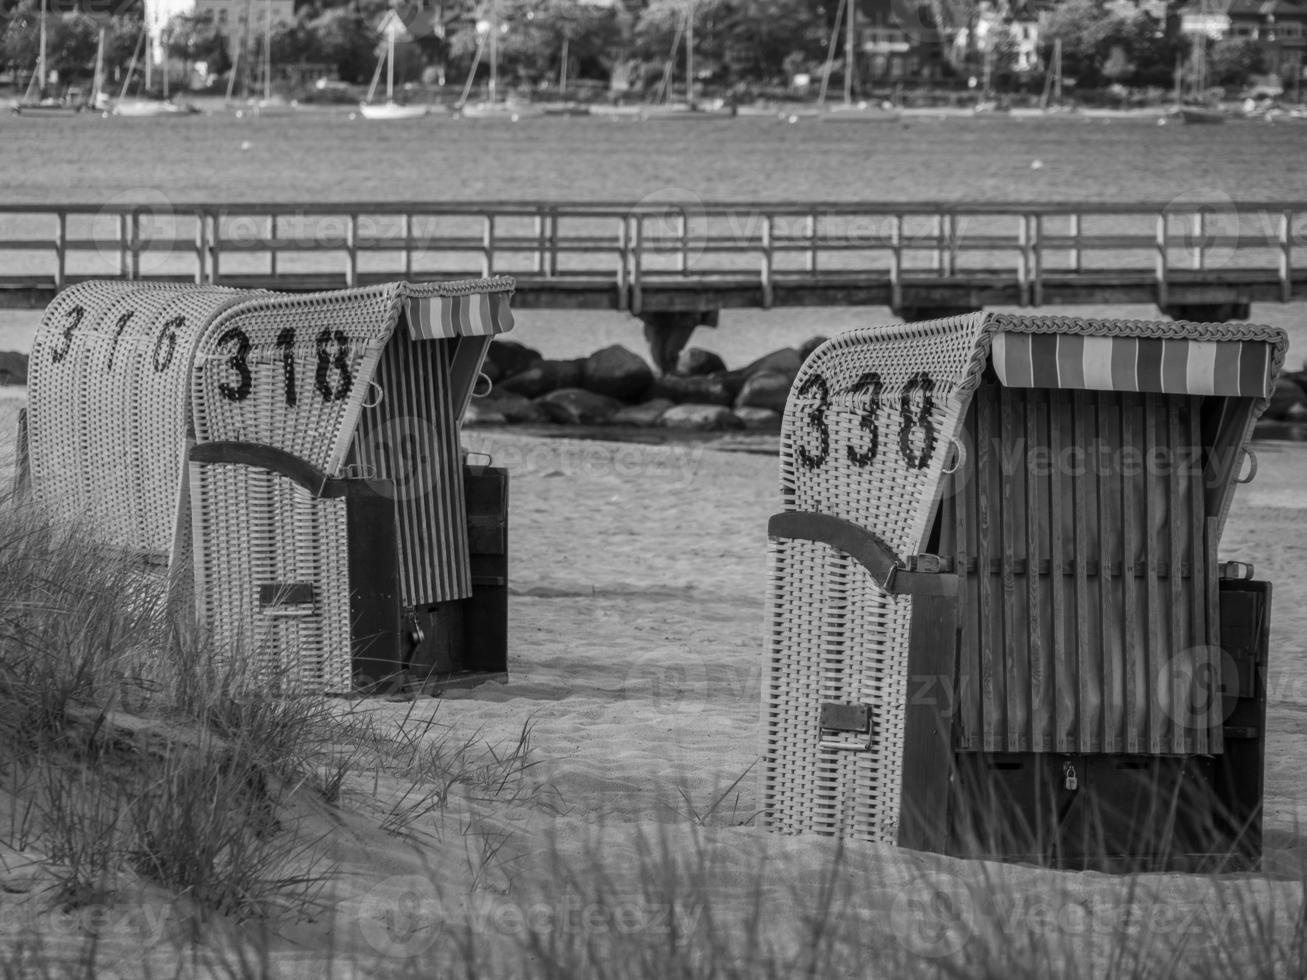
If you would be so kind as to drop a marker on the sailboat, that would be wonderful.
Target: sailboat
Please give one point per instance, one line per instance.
(35, 102)
(848, 110)
(267, 104)
(492, 107)
(691, 108)
(390, 109)
(143, 106)
(1197, 113)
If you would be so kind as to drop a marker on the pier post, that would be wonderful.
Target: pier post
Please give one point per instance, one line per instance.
(1209, 312)
(668, 331)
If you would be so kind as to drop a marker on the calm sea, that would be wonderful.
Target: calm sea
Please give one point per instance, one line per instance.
(327, 156)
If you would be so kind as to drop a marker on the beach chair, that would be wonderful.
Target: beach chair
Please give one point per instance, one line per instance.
(295, 459)
(998, 622)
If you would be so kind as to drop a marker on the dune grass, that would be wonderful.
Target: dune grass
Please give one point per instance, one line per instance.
(131, 752)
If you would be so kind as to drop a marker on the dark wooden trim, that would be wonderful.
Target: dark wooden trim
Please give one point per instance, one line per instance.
(273, 459)
(928, 723)
(872, 553)
(375, 599)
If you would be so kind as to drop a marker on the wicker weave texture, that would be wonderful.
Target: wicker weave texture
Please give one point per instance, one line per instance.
(288, 538)
(108, 407)
(876, 422)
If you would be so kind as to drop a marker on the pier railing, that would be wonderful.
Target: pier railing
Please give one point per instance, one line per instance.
(680, 253)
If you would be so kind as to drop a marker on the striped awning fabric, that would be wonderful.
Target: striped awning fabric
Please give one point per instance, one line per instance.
(1148, 364)
(470, 315)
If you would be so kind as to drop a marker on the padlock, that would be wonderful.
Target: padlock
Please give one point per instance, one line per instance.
(1070, 772)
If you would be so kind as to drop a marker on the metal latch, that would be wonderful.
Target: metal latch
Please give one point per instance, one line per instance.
(848, 719)
(1069, 772)
(1235, 570)
(287, 599)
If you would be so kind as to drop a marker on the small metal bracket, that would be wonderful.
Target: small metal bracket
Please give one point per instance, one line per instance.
(844, 718)
(1235, 570)
(287, 599)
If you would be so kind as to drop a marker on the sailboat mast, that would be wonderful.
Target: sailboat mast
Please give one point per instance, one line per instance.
(494, 53)
(390, 64)
(830, 53)
(97, 83)
(41, 71)
(689, 54)
(1057, 66)
(848, 54)
(267, 53)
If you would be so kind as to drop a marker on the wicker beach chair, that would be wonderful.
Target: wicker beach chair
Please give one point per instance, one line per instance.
(294, 457)
(998, 623)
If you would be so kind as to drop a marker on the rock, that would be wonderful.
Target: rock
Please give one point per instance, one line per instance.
(767, 389)
(759, 419)
(704, 418)
(576, 406)
(646, 413)
(1287, 394)
(483, 415)
(543, 377)
(512, 406)
(13, 368)
(786, 361)
(811, 344)
(617, 373)
(507, 358)
(695, 361)
(703, 389)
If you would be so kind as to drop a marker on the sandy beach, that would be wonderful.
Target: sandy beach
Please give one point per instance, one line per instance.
(637, 578)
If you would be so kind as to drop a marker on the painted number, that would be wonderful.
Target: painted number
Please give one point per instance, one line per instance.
(870, 383)
(337, 361)
(118, 329)
(166, 345)
(917, 435)
(73, 319)
(817, 419)
(917, 418)
(238, 361)
(286, 342)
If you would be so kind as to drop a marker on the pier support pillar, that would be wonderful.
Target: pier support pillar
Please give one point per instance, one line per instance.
(914, 314)
(668, 331)
(1209, 312)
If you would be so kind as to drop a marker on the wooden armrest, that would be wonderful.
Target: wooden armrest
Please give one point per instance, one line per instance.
(864, 546)
(278, 461)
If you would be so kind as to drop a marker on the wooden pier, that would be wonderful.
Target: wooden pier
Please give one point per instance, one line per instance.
(674, 254)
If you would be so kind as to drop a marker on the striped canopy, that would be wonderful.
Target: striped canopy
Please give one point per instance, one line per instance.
(1122, 363)
(472, 315)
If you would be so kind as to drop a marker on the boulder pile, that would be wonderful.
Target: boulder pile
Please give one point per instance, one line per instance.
(616, 386)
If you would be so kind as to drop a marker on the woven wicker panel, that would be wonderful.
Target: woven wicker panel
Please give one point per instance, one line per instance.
(109, 408)
(253, 528)
(866, 437)
(836, 638)
(293, 371)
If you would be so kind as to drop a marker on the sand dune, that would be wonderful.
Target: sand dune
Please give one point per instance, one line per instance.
(636, 624)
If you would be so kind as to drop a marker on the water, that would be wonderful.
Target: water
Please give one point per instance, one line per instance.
(326, 156)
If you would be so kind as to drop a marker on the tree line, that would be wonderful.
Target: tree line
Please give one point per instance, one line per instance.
(741, 46)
